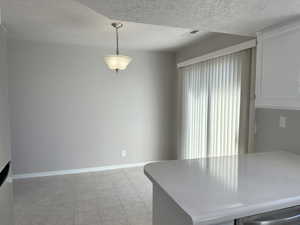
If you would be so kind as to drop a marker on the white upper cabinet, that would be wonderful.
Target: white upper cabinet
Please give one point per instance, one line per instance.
(278, 68)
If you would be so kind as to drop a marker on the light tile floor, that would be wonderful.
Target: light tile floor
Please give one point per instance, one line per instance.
(116, 197)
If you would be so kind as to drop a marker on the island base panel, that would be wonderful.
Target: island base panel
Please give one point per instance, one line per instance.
(166, 211)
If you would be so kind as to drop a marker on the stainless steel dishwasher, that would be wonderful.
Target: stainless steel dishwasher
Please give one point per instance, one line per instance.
(289, 216)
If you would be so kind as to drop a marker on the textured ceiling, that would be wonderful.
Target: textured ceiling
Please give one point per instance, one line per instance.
(67, 21)
(244, 17)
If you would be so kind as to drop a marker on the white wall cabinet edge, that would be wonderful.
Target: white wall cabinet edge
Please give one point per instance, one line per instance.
(278, 67)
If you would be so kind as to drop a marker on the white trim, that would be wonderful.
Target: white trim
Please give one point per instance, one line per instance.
(279, 29)
(259, 63)
(76, 171)
(221, 52)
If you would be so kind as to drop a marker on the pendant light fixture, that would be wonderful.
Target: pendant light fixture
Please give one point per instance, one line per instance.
(117, 62)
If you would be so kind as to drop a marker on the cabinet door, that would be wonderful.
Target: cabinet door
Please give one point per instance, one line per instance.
(278, 69)
(4, 111)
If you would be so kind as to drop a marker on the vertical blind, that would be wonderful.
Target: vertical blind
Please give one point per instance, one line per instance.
(211, 97)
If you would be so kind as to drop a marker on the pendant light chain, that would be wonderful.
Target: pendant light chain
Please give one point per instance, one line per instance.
(117, 39)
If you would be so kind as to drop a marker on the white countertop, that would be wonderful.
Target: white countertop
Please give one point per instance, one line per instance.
(221, 189)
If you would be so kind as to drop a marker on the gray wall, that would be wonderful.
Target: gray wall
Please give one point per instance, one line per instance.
(69, 111)
(214, 42)
(4, 107)
(270, 137)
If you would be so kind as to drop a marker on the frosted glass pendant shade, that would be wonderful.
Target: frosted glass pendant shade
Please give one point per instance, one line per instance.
(117, 62)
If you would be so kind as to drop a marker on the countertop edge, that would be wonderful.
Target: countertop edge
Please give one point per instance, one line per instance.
(231, 215)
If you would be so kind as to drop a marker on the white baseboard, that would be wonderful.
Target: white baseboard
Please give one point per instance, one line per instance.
(76, 171)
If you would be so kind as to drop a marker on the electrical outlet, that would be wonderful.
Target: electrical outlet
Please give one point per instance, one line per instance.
(123, 153)
(282, 121)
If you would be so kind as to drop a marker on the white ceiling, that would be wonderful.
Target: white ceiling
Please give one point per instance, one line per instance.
(244, 17)
(67, 21)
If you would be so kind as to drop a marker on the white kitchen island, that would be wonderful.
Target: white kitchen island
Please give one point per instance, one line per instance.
(221, 189)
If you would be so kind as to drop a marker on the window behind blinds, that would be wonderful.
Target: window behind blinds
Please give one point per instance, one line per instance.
(211, 100)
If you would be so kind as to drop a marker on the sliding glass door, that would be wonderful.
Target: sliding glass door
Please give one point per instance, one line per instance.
(211, 102)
